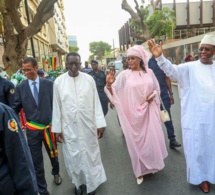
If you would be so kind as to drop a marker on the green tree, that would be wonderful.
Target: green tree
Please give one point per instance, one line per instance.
(108, 54)
(73, 49)
(160, 22)
(90, 58)
(99, 49)
(17, 34)
(143, 14)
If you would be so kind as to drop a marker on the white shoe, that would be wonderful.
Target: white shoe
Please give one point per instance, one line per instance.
(139, 180)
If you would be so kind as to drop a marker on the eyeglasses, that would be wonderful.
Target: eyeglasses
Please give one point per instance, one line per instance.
(27, 70)
(205, 48)
(73, 63)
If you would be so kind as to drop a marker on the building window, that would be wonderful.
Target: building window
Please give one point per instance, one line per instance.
(29, 49)
(36, 49)
(42, 52)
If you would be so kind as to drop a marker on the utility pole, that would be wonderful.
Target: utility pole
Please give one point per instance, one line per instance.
(28, 19)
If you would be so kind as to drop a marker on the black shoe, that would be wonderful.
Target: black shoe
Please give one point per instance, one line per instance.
(92, 193)
(57, 179)
(79, 191)
(174, 144)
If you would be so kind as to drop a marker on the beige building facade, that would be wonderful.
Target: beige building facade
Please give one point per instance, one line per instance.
(59, 45)
(51, 41)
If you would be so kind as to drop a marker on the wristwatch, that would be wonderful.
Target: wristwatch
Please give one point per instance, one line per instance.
(170, 93)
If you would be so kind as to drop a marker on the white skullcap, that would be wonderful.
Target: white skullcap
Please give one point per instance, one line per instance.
(208, 39)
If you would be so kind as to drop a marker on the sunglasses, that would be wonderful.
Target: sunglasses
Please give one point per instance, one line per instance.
(205, 48)
(131, 58)
(73, 63)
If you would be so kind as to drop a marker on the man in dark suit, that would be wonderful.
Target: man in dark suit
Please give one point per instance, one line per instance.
(167, 99)
(35, 96)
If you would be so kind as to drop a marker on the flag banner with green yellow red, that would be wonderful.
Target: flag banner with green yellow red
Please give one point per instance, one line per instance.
(53, 63)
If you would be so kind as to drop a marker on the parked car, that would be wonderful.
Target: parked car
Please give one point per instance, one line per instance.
(117, 65)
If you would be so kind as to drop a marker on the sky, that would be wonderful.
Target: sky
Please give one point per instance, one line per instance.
(94, 20)
(97, 20)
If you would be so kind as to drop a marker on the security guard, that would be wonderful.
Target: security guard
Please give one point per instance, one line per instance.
(167, 98)
(17, 174)
(100, 79)
(7, 90)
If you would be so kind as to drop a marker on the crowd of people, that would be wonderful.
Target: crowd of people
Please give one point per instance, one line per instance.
(72, 109)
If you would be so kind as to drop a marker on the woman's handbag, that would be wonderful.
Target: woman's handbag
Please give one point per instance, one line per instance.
(163, 113)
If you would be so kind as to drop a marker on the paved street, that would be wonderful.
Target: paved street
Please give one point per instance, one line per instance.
(120, 178)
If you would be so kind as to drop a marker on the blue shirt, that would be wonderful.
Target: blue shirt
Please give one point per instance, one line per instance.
(30, 82)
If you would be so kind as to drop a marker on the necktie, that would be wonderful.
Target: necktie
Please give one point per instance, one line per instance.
(35, 92)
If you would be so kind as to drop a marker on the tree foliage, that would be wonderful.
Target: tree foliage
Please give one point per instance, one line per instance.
(138, 18)
(73, 49)
(160, 22)
(144, 14)
(99, 49)
(16, 34)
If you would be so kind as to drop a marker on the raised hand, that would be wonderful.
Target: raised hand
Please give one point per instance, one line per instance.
(154, 48)
(110, 78)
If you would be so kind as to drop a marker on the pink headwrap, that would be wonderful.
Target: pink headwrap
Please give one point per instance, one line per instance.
(140, 52)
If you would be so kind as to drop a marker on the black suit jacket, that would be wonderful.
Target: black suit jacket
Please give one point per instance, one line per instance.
(24, 99)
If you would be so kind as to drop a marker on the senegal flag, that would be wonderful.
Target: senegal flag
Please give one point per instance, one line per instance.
(53, 62)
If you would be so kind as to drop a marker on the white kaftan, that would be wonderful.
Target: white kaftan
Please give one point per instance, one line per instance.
(77, 113)
(197, 86)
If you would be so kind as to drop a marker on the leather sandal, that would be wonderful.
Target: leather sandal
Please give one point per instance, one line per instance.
(204, 186)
